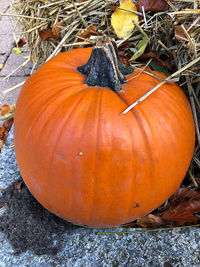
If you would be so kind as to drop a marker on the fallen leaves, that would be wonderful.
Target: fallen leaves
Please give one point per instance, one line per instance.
(6, 122)
(180, 211)
(51, 33)
(122, 20)
(21, 42)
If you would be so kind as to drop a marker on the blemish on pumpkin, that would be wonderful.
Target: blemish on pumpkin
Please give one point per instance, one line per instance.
(92, 180)
(137, 205)
(62, 157)
(80, 153)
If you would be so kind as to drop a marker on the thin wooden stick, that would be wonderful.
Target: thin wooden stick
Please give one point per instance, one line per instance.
(193, 110)
(13, 88)
(22, 16)
(160, 84)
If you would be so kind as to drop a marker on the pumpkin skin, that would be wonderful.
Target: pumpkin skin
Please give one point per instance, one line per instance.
(86, 163)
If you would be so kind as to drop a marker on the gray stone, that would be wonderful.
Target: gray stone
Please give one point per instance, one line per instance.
(7, 42)
(2, 60)
(13, 62)
(4, 5)
(7, 24)
(10, 98)
(31, 236)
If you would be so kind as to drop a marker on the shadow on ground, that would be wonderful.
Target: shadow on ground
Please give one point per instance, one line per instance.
(28, 226)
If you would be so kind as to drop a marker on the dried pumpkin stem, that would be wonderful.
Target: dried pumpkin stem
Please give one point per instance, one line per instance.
(104, 68)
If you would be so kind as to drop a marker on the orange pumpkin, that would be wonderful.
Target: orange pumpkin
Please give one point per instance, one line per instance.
(84, 161)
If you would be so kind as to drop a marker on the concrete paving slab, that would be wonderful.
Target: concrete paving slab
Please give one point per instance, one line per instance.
(7, 25)
(2, 60)
(14, 61)
(7, 42)
(10, 98)
(4, 5)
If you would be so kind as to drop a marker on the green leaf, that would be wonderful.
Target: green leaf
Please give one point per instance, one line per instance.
(140, 48)
(17, 50)
(159, 68)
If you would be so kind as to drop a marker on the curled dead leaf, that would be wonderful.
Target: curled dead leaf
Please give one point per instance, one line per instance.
(180, 33)
(6, 125)
(51, 33)
(150, 221)
(18, 186)
(7, 109)
(21, 42)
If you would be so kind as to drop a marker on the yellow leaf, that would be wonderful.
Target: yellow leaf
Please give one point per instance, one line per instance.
(122, 20)
(1, 66)
(17, 50)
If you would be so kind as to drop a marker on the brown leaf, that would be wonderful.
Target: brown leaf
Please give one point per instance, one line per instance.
(56, 29)
(1, 144)
(51, 33)
(7, 124)
(7, 109)
(150, 221)
(21, 42)
(18, 186)
(112, 8)
(87, 33)
(182, 207)
(180, 34)
(150, 54)
(152, 5)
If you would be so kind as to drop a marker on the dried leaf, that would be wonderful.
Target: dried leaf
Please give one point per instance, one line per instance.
(140, 48)
(152, 5)
(183, 206)
(18, 186)
(180, 34)
(7, 124)
(51, 33)
(21, 42)
(150, 54)
(7, 109)
(1, 66)
(150, 221)
(88, 32)
(113, 8)
(56, 29)
(122, 21)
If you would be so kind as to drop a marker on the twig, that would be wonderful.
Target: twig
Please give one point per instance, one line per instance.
(22, 16)
(193, 110)
(160, 84)
(79, 14)
(13, 88)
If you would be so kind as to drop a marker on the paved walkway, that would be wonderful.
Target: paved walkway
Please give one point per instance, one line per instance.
(9, 61)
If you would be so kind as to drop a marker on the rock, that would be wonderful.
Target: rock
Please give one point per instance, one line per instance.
(31, 236)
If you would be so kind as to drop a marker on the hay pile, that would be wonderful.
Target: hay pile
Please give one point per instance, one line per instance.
(174, 41)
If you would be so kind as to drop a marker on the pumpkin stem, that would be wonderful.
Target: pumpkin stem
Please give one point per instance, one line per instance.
(104, 68)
